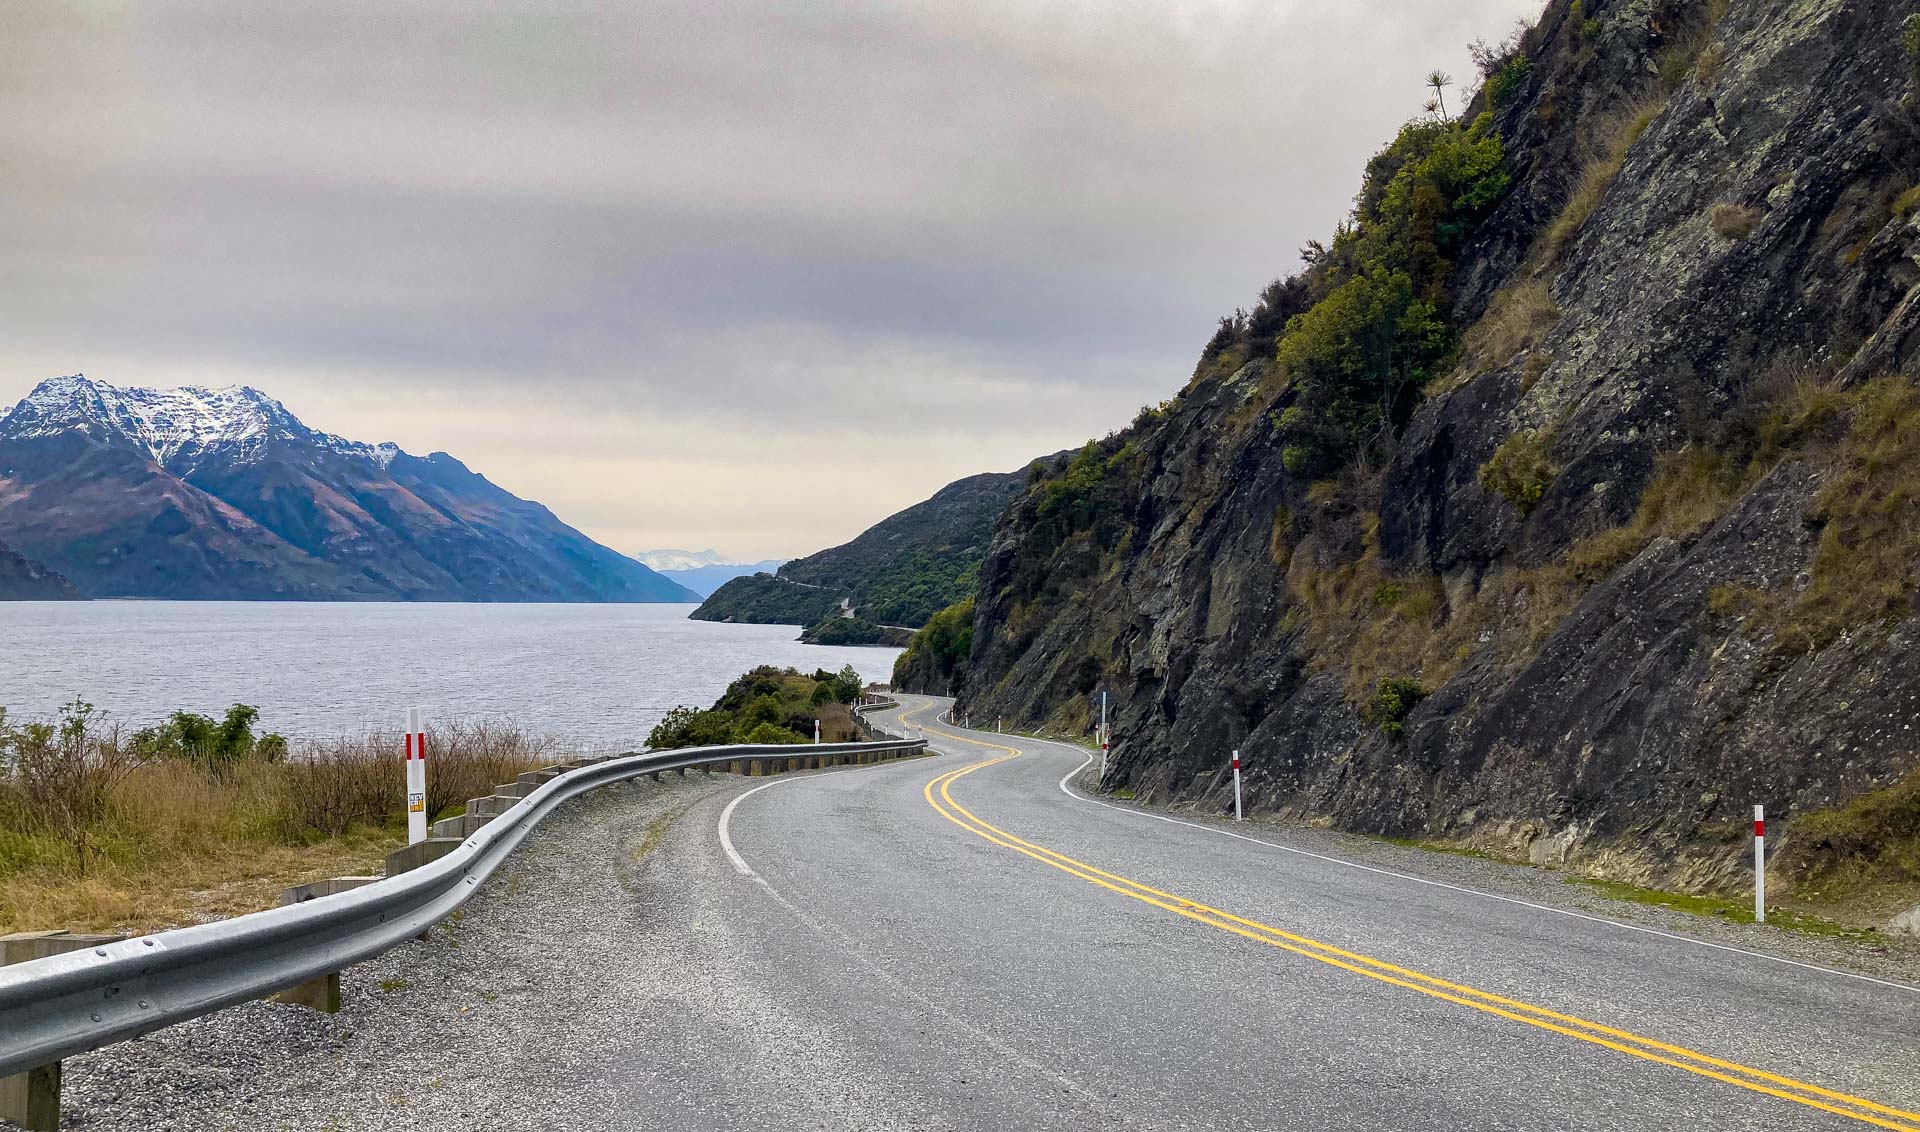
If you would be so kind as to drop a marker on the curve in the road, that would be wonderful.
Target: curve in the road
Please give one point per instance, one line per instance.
(1570, 913)
(938, 795)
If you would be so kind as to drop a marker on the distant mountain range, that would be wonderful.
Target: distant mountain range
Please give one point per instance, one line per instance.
(704, 571)
(223, 493)
(898, 572)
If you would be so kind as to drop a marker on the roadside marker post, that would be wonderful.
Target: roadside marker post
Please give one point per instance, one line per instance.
(816, 732)
(1759, 864)
(416, 778)
(1103, 736)
(1236, 784)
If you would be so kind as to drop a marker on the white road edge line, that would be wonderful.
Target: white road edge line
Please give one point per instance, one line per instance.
(1728, 948)
(726, 827)
(822, 929)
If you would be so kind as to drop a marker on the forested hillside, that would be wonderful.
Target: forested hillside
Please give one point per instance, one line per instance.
(1565, 502)
(899, 571)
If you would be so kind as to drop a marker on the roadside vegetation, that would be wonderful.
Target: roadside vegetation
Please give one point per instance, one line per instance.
(936, 657)
(767, 705)
(193, 818)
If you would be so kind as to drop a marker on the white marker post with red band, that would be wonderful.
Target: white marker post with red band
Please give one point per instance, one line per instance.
(1236, 784)
(416, 778)
(1104, 738)
(1759, 864)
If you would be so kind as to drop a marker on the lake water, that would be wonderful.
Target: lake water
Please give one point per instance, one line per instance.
(600, 675)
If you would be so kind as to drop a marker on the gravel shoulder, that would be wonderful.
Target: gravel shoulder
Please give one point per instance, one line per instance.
(492, 1018)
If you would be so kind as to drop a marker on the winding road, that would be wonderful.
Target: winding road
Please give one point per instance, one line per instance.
(1030, 957)
(967, 941)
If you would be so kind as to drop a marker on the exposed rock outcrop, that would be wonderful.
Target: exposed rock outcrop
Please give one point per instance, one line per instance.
(1640, 549)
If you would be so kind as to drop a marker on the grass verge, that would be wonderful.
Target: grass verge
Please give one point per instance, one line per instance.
(101, 831)
(1735, 911)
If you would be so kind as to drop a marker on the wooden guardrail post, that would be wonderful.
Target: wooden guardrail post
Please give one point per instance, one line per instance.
(32, 1099)
(321, 993)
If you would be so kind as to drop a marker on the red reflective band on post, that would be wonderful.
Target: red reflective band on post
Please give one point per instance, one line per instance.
(1759, 828)
(420, 745)
(1236, 762)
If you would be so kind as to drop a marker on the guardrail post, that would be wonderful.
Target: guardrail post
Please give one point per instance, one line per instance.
(322, 993)
(32, 1099)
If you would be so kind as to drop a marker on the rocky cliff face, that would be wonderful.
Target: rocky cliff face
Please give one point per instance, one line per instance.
(223, 493)
(1638, 551)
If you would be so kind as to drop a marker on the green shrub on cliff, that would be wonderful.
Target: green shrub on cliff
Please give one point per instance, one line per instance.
(1506, 82)
(1393, 699)
(1379, 326)
(1521, 469)
(936, 657)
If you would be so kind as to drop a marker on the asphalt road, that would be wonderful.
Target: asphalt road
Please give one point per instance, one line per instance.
(959, 942)
(1015, 956)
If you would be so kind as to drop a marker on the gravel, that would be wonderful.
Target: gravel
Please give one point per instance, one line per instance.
(489, 1019)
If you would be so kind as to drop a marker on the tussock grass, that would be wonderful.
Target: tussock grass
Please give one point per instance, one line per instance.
(1869, 512)
(173, 841)
(1866, 852)
(1613, 137)
(1734, 221)
(1518, 318)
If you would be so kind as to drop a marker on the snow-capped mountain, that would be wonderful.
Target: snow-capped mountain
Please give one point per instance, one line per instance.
(681, 559)
(213, 493)
(176, 427)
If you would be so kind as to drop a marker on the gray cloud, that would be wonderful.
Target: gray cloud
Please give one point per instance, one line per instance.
(675, 268)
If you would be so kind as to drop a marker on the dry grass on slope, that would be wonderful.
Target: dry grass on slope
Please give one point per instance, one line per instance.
(93, 837)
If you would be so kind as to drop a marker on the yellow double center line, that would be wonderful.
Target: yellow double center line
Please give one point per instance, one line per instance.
(1539, 1017)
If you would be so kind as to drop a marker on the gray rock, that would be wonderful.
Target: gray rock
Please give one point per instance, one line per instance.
(1635, 729)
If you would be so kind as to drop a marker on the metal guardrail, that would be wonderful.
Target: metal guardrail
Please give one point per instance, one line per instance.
(67, 1004)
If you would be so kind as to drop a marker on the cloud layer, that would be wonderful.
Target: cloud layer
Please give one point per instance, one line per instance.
(713, 273)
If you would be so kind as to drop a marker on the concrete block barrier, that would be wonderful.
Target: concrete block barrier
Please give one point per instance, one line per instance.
(419, 853)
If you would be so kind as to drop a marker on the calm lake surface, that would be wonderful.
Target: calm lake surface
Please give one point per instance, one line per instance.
(599, 675)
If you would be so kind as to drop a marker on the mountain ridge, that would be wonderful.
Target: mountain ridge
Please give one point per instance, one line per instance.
(23, 579)
(224, 493)
(898, 572)
(704, 571)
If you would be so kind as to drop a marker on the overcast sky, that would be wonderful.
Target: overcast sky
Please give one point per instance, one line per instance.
(703, 274)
